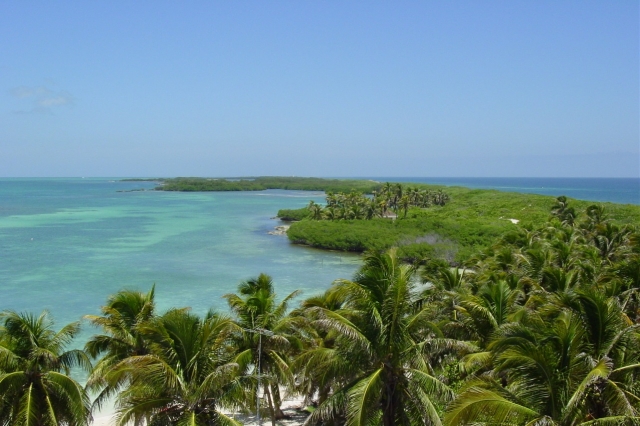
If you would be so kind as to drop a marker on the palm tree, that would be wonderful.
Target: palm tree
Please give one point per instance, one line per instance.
(563, 212)
(446, 287)
(568, 352)
(316, 210)
(440, 198)
(489, 309)
(122, 321)
(35, 386)
(627, 283)
(596, 215)
(387, 189)
(395, 196)
(404, 203)
(321, 346)
(576, 368)
(331, 199)
(356, 212)
(383, 205)
(370, 210)
(608, 238)
(189, 374)
(331, 213)
(379, 341)
(267, 337)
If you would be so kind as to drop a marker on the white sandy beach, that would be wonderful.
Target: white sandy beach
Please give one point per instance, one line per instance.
(292, 407)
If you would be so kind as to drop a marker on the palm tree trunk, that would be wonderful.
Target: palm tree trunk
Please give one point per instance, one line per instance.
(277, 402)
(388, 410)
(323, 394)
(391, 403)
(271, 410)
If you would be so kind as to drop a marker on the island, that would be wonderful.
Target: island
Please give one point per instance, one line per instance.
(423, 221)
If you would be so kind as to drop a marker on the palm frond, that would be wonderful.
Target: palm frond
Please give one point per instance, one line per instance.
(477, 404)
(363, 400)
(599, 372)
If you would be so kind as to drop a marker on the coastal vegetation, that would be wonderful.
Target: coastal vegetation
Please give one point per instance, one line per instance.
(450, 223)
(469, 221)
(35, 383)
(540, 327)
(190, 184)
(390, 200)
(356, 223)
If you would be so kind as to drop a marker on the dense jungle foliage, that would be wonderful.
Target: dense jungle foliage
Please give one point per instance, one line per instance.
(542, 327)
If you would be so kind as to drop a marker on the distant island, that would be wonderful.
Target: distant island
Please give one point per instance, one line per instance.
(197, 184)
(468, 221)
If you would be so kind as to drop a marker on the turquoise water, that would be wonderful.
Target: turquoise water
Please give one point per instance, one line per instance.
(66, 244)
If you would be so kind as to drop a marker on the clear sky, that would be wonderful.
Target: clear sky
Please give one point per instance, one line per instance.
(319, 88)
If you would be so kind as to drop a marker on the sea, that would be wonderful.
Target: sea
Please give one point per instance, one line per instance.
(614, 190)
(66, 244)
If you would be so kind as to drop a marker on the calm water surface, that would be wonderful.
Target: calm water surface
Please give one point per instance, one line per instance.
(615, 190)
(66, 244)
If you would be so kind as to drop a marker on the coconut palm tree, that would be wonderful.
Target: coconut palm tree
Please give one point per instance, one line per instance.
(563, 211)
(35, 386)
(404, 203)
(486, 311)
(379, 331)
(370, 209)
(267, 337)
(331, 213)
(122, 321)
(187, 377)
(578, 368)
(596, 215)
(568, 353)
(440, 198)
(609, 238)
(313, 366)
(315, 210)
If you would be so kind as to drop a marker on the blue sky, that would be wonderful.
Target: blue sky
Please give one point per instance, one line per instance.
(325, 88)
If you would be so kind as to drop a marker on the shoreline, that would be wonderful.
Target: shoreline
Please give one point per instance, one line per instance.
(619, 190)
(292, 407)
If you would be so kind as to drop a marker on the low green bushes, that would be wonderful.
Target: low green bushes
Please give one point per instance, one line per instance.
(292, 215)
(268, 182)
(470, 222)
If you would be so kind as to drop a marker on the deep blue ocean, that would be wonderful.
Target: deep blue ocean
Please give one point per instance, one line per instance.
(615, 190)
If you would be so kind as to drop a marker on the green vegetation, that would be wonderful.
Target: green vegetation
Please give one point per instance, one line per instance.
(35, 385)
(553, 314)
(263, 183)
(451, 223)
(540, 327)
(389, 198)
(353, 222)
(265, 338)
(468, 222)
(381, 373)
(293, 215)
(415, 241)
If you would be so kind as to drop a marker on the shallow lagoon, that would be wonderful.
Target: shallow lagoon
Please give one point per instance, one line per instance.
(66, 244)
